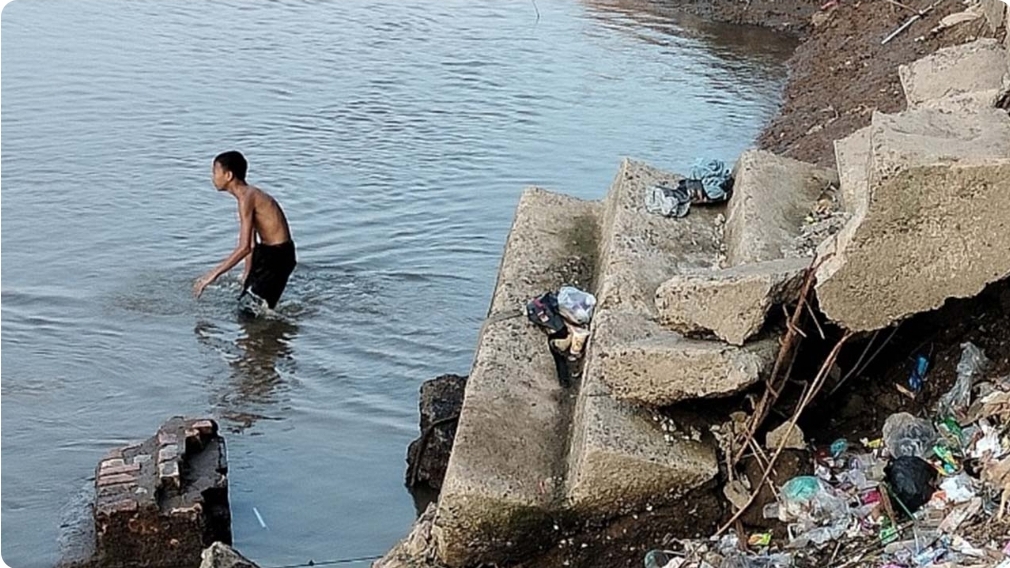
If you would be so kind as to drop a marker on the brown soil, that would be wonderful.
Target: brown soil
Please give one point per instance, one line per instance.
(840, 73)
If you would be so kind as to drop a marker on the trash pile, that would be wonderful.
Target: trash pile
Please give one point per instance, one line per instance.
(709, 182)
(564, 316)
(928, 492)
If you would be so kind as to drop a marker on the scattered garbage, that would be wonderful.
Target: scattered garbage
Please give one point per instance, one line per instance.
(709, 182)
(928, 492)
(575, 305)
(906, 435)
(815, 511)
(958, 398)
(917, 378)
(716, 180)
(564, 316)
(911, 481)
(667, 200)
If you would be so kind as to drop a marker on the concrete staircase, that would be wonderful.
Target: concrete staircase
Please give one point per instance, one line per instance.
(529, 454)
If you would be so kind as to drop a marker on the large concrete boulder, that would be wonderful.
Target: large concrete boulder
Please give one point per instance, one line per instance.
(160, 502)
(732, 303)
(961, 77)
(929, 220)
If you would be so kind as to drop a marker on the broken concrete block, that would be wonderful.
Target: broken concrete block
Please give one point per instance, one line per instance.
(772, 197)
(642, 362)
(440, 403)
(793, 438)
(934, 225)
(971, 73)
(732, 303)
(147, 513)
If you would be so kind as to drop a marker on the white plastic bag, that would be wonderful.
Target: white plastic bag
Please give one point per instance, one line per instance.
(575, 305)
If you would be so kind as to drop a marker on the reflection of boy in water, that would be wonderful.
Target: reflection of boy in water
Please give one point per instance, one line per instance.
(269, 262)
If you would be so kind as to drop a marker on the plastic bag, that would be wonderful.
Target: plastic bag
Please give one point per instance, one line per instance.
(973, 362)
(811, 501)
(911, 480)
(906, 435)
(575, 305)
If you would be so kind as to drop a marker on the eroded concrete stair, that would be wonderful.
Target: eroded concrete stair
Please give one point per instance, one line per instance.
(529, 454)
(504, 481)
(771, 200)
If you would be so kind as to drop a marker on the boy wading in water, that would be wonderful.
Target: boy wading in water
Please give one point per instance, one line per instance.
(269, 262)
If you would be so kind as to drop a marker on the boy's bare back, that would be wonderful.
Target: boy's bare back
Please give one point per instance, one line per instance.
(268, 218)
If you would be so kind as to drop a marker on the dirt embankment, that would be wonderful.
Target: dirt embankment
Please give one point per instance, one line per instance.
(840, 72)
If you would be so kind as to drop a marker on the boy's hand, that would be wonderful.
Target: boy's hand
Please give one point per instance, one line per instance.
(201, 283)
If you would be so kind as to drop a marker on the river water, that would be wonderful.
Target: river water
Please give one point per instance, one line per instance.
(396, 134)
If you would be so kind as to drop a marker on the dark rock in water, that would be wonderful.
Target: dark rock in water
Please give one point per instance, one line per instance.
(220, 555)
(161, 502)
(427, 457)
(912, 481)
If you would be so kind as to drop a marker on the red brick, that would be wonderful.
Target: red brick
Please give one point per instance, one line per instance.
(116, 490)
(165, 438)
(132, 468)
(121, 506)
(112, 462)
(141, 459)
(168, 473)
(105, 480)
(190, 512)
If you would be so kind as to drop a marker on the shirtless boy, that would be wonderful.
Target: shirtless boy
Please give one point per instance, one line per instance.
(268, 262)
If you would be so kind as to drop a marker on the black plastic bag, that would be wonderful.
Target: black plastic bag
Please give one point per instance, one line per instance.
(912, 482)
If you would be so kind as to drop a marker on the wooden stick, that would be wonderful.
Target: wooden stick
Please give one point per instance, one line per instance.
(813, 316)
(771, 393)
(810, 394)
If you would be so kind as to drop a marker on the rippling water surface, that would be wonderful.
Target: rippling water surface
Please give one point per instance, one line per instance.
(397, 135)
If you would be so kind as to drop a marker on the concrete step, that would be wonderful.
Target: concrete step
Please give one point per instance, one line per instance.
(732, 302)
(639, 250)
(772, 197)
(643, 362)
(620, 458)
(971, 75)
(505, 478)
(935, 224)
(640, 360)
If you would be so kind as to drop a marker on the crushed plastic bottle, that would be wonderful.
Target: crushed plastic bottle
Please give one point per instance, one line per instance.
(906, 435)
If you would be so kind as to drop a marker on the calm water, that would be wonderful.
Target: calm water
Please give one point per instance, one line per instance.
(397, 135)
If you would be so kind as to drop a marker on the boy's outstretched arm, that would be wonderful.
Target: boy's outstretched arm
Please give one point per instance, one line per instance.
(244, 248)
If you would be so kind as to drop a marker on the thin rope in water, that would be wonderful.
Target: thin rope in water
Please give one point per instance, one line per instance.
(330, 562)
